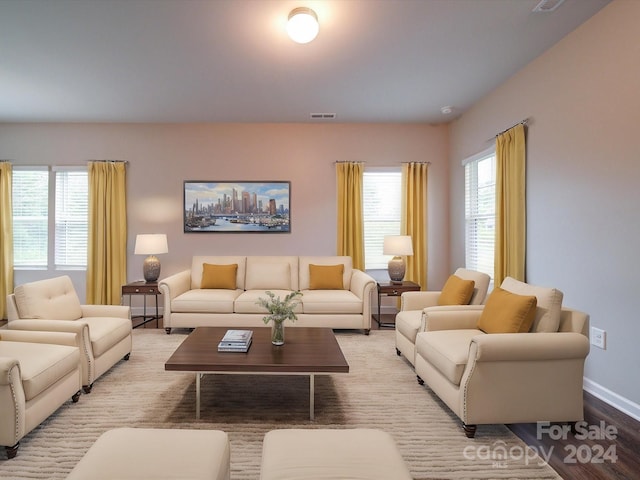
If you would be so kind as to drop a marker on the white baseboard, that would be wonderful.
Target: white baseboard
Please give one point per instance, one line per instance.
(618, 401)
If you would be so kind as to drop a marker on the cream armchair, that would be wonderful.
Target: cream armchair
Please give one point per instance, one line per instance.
(410, 321)
(488, 378)
(53, 305)
(39, 372)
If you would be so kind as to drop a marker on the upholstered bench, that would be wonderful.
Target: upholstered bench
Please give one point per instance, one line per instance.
(136, 453)
(319, 454)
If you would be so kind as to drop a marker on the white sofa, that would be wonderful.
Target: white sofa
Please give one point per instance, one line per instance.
(52, 305)
(489, 378)
(186, 305)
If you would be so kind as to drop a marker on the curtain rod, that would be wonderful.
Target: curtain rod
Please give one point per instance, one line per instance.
(346, 161)
(419, 163)
(111, 161)
(521, 122)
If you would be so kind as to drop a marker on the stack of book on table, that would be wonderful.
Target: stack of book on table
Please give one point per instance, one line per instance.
(236, 341)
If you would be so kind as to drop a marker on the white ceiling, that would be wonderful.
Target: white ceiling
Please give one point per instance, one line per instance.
(231, 61)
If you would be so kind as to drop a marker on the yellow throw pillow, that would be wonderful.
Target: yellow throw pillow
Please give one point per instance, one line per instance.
(326, 277)
(456, 291)
(219, 276)
(507, 312)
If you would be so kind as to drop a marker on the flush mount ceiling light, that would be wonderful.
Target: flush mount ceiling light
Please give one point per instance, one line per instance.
(303, 25)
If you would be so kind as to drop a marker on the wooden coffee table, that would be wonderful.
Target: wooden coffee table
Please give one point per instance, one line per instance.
(307, 351)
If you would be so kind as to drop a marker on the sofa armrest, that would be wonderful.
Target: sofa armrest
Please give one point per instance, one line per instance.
(119, 311)
(510, 347)
(175, 285)
(451, 317)
(418, 300)
(55, 338)
(359, 283)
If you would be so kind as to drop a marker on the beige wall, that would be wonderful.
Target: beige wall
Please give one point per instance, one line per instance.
(583, 172)
(161, 157)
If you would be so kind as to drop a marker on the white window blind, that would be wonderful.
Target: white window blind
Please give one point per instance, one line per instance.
(382, 212)
(30, 217)
(480, 207)
(71, 207)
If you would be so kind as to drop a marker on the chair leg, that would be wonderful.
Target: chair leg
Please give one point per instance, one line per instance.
(76, 397)
(469, 430)
(168, 330)
(126, 357)
(420, 381)
(12, 451)
(398, 353)
(366, 331)
(87, 388)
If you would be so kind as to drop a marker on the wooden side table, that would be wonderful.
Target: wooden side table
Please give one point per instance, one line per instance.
(143, 288)
(390, 289)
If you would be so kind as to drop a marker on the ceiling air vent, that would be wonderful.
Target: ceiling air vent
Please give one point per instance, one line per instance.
(546, 6)
(323, 116)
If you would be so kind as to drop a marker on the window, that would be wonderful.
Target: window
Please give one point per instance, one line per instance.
(71, 207)
(30, 217)
(39, 196)
(480, 208)
(381, 211)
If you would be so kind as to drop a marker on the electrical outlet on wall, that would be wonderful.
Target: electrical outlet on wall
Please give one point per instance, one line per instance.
(598, 338)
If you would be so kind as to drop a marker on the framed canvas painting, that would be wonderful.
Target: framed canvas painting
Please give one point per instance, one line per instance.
(237, 207)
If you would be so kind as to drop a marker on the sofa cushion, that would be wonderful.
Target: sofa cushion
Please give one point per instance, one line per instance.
(205, 301)
(219, 276)
(326, 277)
(330, 301)
(269, 276)
(549, 303)
(41, 365)
(507, 312)
(304, 273)
(247, 302)
(198, 261)
(53, 298)
(105, 332)
(447, 350)
(456, 291)
(408, 323)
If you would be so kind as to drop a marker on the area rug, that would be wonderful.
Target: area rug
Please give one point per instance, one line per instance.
(380, 391)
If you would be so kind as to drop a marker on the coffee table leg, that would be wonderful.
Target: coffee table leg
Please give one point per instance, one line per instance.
(198, 376)
(311, 397)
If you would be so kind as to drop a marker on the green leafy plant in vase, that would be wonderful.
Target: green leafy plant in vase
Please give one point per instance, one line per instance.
(279, 311)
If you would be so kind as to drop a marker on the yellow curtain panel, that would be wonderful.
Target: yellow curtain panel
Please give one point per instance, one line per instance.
(350, 219)
(6, 237)
(107, 249)
(511, 214)
(414, 219)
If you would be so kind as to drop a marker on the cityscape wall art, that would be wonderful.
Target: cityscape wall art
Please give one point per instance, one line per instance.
(237, 207)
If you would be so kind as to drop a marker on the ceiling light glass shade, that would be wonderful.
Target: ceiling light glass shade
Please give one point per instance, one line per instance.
(303, 25)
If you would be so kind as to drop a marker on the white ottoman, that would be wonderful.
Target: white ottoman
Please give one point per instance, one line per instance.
(144, 453)
(354, 454)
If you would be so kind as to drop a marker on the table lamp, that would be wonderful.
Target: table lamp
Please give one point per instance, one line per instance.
(397, 245)
(151, 244)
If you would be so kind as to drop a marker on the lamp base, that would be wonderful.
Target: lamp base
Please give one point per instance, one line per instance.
(396, 269)
(151, 268)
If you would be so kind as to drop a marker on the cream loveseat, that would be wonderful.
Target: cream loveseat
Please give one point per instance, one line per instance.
(39, 372)
(343, 305)
(534, 374)
(53, 305)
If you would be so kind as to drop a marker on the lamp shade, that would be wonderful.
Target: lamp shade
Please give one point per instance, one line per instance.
(303, 25)
(397, 245)
(151, 244)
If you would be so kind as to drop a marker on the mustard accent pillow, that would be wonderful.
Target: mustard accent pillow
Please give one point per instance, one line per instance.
(219, 276)
(456, 291)
(507, 312)
(326, 277)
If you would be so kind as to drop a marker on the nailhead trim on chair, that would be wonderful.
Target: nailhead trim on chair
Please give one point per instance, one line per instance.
(15, 402)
